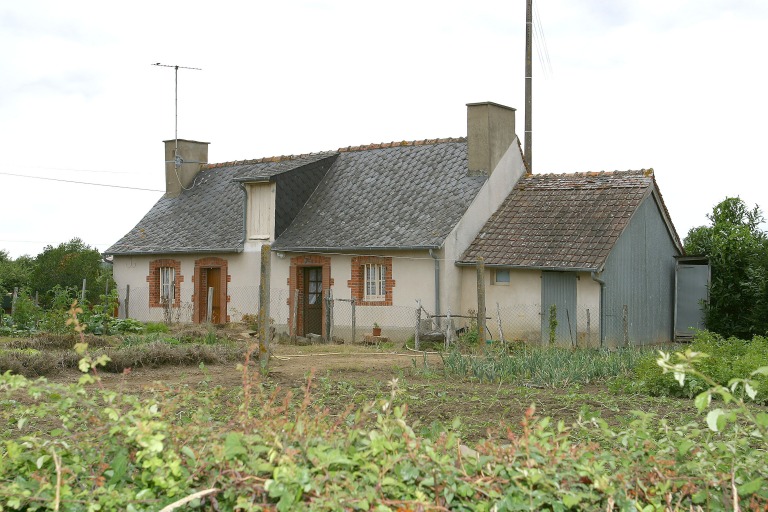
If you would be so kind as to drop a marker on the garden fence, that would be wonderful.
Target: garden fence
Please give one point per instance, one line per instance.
(350, 322)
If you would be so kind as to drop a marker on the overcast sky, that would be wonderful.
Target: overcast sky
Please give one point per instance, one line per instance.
(680, 86)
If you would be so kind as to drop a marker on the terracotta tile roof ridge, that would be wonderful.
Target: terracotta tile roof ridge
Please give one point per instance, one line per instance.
(264, 160)
(646, 173)
(381, 145)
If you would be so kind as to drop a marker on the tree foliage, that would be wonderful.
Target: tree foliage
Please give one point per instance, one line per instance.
(14, 273)
(738, 255)
(66, 265)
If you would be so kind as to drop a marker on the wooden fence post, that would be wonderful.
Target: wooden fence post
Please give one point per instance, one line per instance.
(127, 300)
(589, 329)
(14, 299)
(295, 321)
(330, 315)
(418, 325)
(498, 318)
(265, 329)
(481, 300)
(448, 329)
(82, 295)
(625, 322)
(209, 312)
(354, 320)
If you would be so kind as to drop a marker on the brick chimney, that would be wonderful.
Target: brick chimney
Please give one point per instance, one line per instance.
(490, 132)
(192, 154)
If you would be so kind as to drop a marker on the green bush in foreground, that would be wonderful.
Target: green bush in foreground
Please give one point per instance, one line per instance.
(80, 447)
(728, 359)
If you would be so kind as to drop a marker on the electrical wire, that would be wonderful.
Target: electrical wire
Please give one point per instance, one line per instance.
(539, 27)
(81, 182)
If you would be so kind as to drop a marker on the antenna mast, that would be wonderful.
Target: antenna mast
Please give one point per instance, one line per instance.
(176, 159)
(528, 77)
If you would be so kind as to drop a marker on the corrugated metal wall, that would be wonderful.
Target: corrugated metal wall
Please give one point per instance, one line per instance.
(639, 274)
(559, 288)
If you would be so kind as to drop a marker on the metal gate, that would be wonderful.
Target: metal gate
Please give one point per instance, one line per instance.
(692, 277)
(559, 288)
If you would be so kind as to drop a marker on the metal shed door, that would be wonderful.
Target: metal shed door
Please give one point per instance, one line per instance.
(692, 282)
(559, 288)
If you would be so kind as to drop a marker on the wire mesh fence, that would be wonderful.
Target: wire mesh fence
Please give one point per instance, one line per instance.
(345, 321)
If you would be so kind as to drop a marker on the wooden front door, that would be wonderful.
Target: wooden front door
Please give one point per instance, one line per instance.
(211, 278)
(312, 304)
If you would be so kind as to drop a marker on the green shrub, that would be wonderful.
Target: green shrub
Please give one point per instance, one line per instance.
(153, 327)
(25, 313)
(126, 325)
(728, 359)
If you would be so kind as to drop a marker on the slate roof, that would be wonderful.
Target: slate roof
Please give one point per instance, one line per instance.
(208, 216)
(397, 195)
(561, 221)
(386, 196)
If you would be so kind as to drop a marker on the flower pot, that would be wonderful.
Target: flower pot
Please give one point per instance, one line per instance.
(377, 331)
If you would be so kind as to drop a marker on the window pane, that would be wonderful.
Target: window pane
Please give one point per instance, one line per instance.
(502, 276)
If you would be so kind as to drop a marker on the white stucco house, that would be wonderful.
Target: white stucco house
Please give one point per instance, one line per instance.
(389, 224)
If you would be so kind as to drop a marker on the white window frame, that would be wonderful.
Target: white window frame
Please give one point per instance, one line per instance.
(374, 282)
(495, 280)
(167, 285)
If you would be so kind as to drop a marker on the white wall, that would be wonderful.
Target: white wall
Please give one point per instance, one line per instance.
(493, 192)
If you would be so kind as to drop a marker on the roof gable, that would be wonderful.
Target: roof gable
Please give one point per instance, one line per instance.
(561, 221)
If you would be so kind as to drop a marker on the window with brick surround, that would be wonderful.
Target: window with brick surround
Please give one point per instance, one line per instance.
(165, 283)
(371, 282)
(375, 277)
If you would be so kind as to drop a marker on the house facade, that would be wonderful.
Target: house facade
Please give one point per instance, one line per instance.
(381, 224)
(389, 226)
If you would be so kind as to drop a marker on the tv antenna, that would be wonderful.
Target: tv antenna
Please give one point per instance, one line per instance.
(176, 158)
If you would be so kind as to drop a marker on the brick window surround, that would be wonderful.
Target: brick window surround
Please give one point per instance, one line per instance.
(296, 283)
(357, 283)
(154, 281)
(199, 309)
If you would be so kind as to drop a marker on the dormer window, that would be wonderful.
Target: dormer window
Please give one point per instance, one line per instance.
(261, 211)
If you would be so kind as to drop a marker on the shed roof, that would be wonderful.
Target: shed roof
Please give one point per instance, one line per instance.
(563, 221)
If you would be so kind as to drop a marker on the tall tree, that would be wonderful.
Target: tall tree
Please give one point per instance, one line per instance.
(738, 255)
(67, 265)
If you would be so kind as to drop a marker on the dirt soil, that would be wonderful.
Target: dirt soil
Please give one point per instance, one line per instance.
(344, 375)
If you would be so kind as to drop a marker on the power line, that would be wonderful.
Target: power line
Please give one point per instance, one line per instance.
(41, 167)
(81, 182)
(546, 63)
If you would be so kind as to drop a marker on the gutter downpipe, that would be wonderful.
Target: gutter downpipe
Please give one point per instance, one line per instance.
(437, 285)
(602, 295)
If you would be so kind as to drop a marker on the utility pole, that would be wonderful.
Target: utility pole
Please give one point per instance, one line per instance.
(176, 158)
(528, 77)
